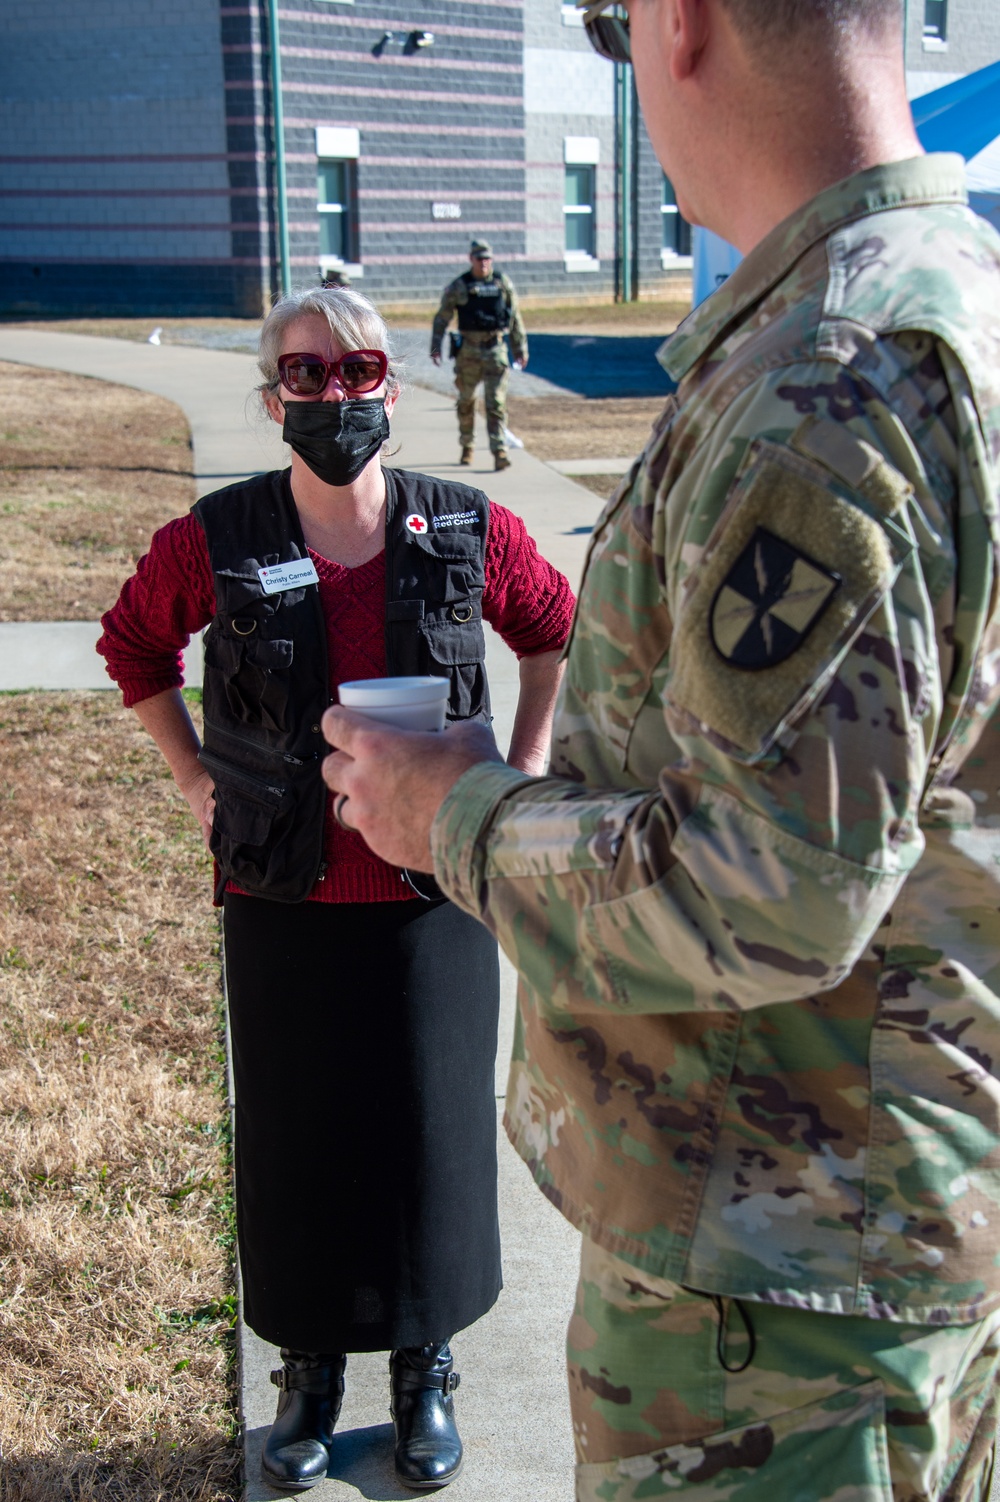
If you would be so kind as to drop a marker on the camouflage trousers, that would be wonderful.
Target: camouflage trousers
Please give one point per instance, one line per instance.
(831, 1408)
(475, 364)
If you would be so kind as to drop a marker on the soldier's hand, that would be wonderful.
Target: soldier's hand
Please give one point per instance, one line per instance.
(520, 362)
(391, 782)
(436, 357)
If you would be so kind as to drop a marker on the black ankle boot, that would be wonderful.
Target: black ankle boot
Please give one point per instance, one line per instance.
(296, 1451)
(428, 1449)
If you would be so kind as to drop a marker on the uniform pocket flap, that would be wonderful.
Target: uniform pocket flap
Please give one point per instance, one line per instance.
(834, 1447)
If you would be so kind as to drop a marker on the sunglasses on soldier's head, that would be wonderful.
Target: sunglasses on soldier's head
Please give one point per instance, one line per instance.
(309, 375)
(607, 27)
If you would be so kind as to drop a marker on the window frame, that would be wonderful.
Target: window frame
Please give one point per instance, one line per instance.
(673, 255)
(935, 32)
(346, 210)
(575, 212)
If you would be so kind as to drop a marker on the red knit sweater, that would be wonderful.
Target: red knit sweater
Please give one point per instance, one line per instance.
(172, 595)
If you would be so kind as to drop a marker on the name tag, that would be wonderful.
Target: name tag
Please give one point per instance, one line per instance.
(281, 576)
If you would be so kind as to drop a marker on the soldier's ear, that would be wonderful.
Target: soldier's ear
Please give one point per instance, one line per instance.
(391, 398)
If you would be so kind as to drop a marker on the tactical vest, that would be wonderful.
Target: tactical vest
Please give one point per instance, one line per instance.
(267, 679)
(487, 310)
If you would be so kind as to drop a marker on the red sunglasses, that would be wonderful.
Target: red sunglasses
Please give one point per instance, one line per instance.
(309, 375)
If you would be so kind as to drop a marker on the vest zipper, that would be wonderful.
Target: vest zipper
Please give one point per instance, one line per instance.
(255, 746)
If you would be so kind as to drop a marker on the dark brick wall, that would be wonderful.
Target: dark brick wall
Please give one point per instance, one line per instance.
(445, 123)
(166, 204)
(114, 174)
(55, 288)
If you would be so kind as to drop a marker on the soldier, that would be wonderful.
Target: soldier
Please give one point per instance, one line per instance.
(487, 309)
(756, 904)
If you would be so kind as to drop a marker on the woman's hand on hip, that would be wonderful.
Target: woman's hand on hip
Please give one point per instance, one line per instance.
(200, 794)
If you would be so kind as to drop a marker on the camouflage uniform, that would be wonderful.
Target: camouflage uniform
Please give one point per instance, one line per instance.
(757, 911)
(482, 358)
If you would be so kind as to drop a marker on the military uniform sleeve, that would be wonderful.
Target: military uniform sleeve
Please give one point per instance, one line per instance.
(454, 296)
(517, 332)
(756, 637)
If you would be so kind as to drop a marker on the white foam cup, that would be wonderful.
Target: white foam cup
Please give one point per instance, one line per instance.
(409, 703)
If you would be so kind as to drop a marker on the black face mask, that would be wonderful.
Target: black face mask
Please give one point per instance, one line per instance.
(336, 439)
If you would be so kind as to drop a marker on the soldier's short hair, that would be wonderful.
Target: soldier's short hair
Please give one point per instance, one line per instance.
(774, 21)
(354, 322)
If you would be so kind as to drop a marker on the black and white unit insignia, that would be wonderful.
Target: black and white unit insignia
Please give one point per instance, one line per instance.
(768, 603)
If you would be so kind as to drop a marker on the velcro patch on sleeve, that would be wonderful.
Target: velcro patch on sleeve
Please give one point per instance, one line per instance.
(795, 565)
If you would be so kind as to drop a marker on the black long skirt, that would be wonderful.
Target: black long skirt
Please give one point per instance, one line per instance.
(364, 1037)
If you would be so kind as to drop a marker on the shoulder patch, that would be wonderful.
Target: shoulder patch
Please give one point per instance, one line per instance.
(768, 602)
(795, 565)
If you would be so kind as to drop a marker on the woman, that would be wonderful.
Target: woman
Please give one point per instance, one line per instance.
(363, 1016)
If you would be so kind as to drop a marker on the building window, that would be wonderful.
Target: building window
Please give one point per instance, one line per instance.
(579, 209)
(334, 185)
(676, 230)
(935, 21)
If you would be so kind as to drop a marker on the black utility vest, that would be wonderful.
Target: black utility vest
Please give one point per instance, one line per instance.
(267, 678)
(487, 310)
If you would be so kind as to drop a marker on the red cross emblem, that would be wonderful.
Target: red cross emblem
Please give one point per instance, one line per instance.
(416, 523)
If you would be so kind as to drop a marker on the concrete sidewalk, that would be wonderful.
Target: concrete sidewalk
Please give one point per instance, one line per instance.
(512, 1403)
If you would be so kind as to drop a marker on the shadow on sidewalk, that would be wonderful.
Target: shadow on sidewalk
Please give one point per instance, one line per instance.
(362, 1458)
(601, 365)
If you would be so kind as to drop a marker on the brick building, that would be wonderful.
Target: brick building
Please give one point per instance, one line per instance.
(139, 170)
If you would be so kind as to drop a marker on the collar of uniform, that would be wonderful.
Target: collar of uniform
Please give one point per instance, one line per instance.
(925, 179)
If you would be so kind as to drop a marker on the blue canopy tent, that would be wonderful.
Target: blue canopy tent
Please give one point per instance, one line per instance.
(963, 116)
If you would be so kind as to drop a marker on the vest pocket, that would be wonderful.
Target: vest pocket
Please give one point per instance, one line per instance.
(453, 639)
(255, 675)
(455, 650)
(245, 808)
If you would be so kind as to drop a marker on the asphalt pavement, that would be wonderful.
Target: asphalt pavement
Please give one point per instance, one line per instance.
(512, 1404)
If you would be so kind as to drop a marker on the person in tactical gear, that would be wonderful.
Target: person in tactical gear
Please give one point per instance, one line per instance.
(363, 1014)
(486, 304)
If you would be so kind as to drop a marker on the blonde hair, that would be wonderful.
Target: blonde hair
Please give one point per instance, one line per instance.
(355, 323)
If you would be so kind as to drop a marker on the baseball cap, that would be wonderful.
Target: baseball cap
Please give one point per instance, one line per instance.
(480, 248)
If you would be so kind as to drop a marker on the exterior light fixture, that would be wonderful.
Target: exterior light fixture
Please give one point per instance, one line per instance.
(408, 41)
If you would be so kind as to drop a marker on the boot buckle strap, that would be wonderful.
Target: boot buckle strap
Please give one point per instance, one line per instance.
(444, 1382)
(320, 1381)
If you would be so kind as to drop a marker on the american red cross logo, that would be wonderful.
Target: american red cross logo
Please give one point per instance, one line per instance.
(416, 523)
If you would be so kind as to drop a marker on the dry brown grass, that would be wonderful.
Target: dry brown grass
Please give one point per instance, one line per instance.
(137, 330)
(658, 315)
(88, 471)
(601, 485)
(574, 428)
(116, 1299)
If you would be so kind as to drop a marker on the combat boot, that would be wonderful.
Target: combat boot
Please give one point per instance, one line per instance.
(428, 1449)
(500, 460)
(467, 452)
(297, 1448)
